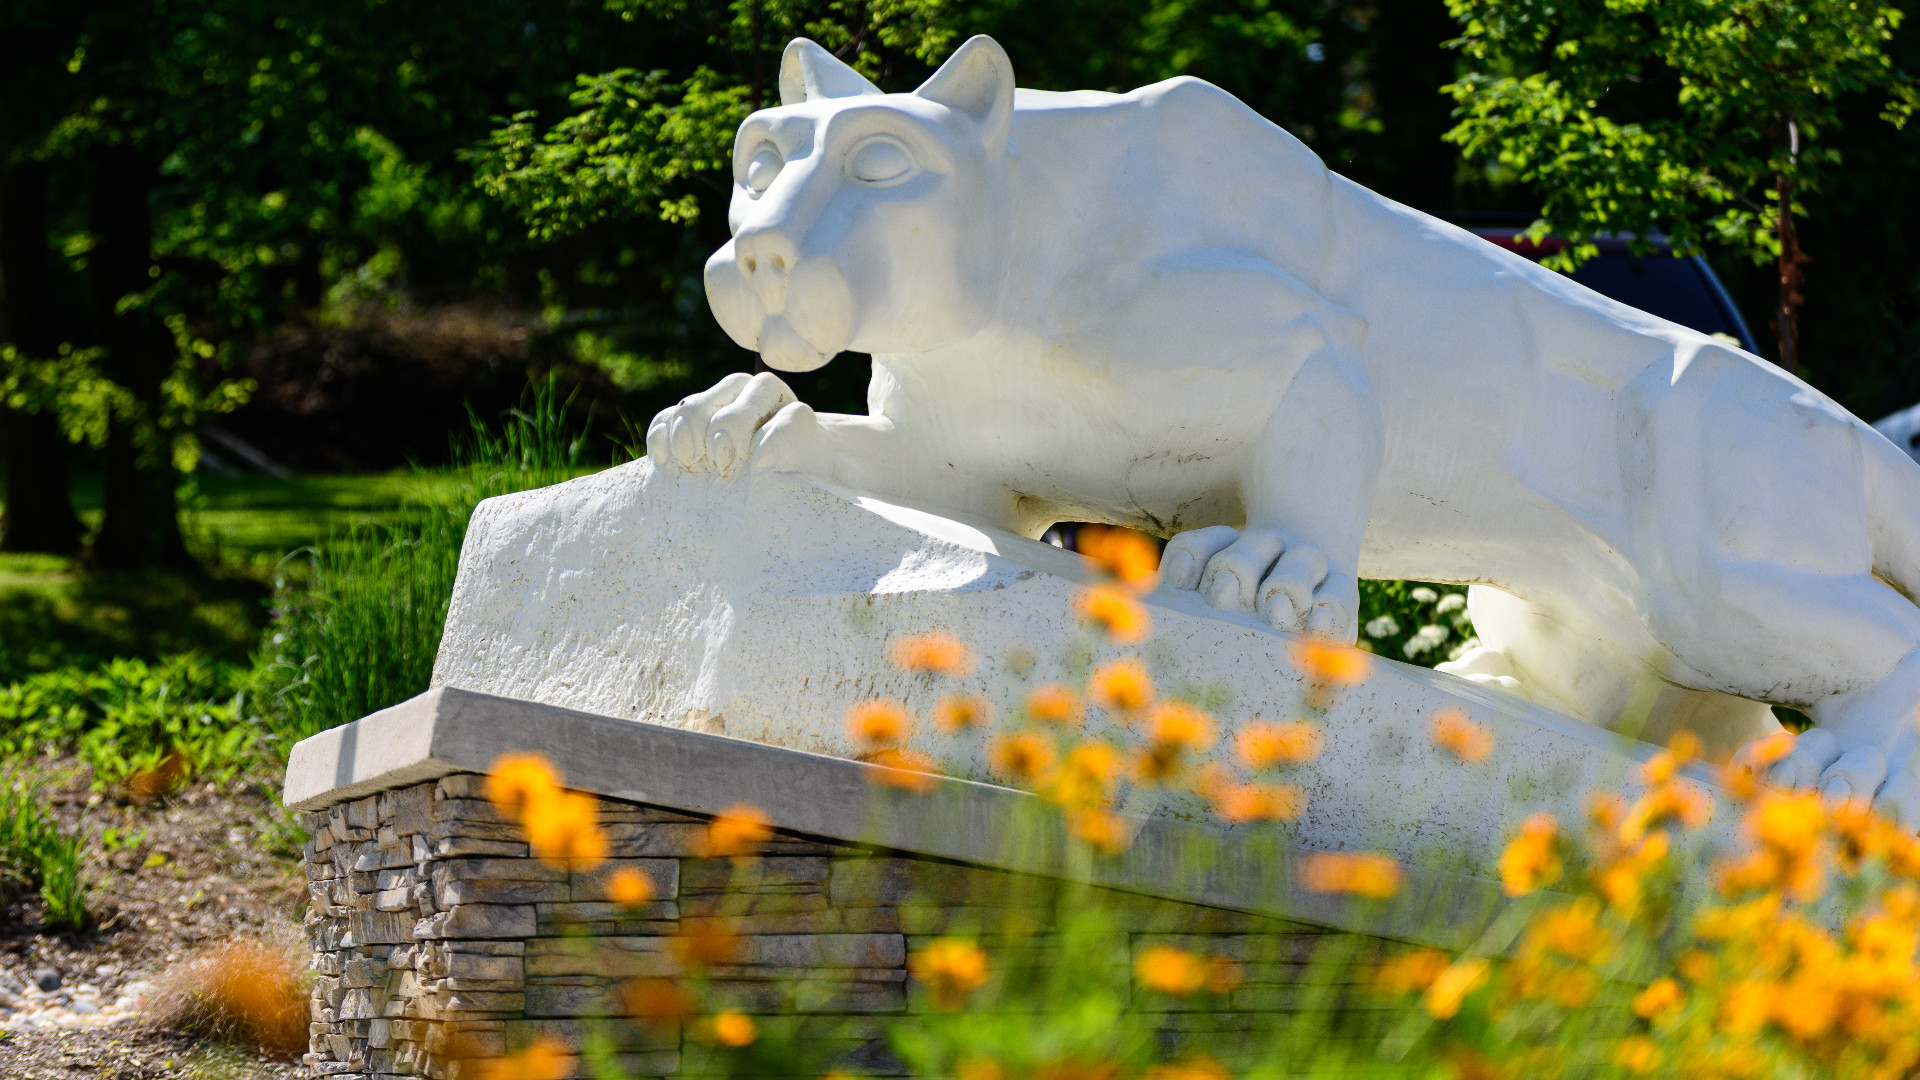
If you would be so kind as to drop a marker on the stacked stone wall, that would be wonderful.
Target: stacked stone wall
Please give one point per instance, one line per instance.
(440, 943)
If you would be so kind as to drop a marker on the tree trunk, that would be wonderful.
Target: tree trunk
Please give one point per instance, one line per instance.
(39, 504)
(1786, 316)
(140, 521)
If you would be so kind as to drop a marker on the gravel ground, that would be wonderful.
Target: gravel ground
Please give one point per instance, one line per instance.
(198, 866)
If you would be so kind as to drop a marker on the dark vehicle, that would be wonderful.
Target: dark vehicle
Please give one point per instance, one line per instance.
(1677, 288)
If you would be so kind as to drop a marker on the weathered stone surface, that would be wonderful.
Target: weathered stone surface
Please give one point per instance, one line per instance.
(479, 921)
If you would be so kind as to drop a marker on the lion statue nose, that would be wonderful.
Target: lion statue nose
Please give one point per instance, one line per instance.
(797, 314)
(765, 256)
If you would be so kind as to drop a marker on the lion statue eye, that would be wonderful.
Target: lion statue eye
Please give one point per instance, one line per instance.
(762, 169)
(877, 161)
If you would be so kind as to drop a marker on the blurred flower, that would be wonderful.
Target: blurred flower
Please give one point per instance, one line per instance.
(1024, 755)
(1670, 800)
(959, 712)
(932, 652)
(951, 969)
(546, 1059)
(1170, 970)
(1661, 767)
(734, 832)
(1533, 858)
(734, 1029)
(1128, 555)
(1369, 875)
(1571, 930)
(1455, 731)
(1092, 768)
(516, 781)
(1122, 685)
(657, 1002)
(1054, 704)
(1173, 729)
(879, 723)
(1195, 1068)
(1258, 802)
(630, 886)
(1100, 828)
(1638, 1055)
(1451, 987)
(1262, 743)
(563, 830)
(1410, 971)
(1224, 974)
(703, 943)
(1124, 619)
(1661, 996)
(907, 770)
(1329, 662)
(977, 1069)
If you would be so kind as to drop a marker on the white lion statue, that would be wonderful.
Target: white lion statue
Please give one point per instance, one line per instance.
(1157, 309)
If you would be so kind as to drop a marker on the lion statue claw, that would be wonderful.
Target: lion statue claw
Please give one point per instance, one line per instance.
(1157, 309)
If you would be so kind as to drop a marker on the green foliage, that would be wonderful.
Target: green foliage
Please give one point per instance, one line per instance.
(1684, 117)
(1415, 621)
(36, 854)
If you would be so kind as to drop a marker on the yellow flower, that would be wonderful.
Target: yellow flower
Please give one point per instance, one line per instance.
(1455, 731)
(657, 1002)
(962, 711)
(629, 886)
(1100, 828)
(1122, 685)
(1170, 970)
(907, 770)
(1330, 662)
(546, 1059)
(1124, 619)
(975, 1069)
(1662, 996)
(1571, 930)
(563, 829)
(879, 723)
(1637, 1054)
(951, 969)
(1263, 743)
(1369, 875)
(1128, 555)
(1025, 755)
(1197, 1068)
(1172, 730)
(932, 652)
(1052, 704)
(1532, 860)
(1451, 987)
(734, 1029)
(1410, 971)
(733, 833)
(1258, 802)
(517, 781)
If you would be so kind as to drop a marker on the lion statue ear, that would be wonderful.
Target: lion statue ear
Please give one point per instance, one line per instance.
(977, 80)
(809, 72)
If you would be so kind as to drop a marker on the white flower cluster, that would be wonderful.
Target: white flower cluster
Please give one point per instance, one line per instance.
(1424, 639)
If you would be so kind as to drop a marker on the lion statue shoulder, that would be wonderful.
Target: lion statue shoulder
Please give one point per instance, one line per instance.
(1159, 310)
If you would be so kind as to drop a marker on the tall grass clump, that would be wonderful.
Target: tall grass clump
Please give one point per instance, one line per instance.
(248, 989)
(363, 633)
(37, 855)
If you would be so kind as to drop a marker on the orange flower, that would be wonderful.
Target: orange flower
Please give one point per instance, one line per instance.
(1091, 769)
(1053, 704)
(1533, 858)
(1410, 971)
(1170, 970)
(736, 830)
(1329, 662)
(1124, 619)
(1263, 743)
(1572, 930)
(908, 770)
(546, 1059)
(517, 781)
(1224, 974)
(951, 969)
(1451, 987)
(962, 711)
(1122, 685)
(879, 723)
(734, 1029)
(659, 1002)
(1178, 724)
(969, 1069)
(1682, 748)
(932, 652)
(1455, 731)
(1369, 875)
(629, 886)
(704, 943)
(563, 829)
(1025, 755)
(1128, 555)
(1637, 1054)
(1661, 996)
(1258, 802)
(1101, 829)
(1197, 1068)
